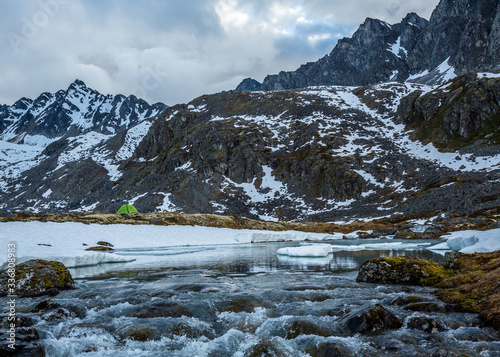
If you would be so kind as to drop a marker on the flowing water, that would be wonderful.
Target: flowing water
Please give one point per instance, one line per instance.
(243, 300)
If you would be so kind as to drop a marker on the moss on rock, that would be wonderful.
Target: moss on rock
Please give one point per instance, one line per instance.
(475, 287)
(402, 270)
(37, 277)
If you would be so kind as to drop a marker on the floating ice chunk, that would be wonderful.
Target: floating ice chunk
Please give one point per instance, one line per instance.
(313, 250)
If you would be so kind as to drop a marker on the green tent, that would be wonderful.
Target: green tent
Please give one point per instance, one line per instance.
(127, 209)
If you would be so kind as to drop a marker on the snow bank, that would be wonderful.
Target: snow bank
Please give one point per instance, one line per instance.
(66, 242)
(322, 250)
(472, 242)
(313, 250)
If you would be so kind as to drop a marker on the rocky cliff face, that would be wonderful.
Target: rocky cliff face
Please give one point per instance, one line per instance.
(462, 36)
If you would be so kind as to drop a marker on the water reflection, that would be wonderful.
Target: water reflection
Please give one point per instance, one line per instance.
(249, 258)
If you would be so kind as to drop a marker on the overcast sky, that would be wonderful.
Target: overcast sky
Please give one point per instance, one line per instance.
(171, 50)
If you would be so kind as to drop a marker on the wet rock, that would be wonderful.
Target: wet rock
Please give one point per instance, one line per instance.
(52, 310)
(190, 287)
(139, 332)
(371, 321)
(303, 327)
(183, 329)
(20, 321)
(304, 287)
(405, 300)
(265, 348)
(161, 309)
(425, 324)
(244, 304)
(401, 270)
(426, 307)
(328, 349)
(393, 346)
(22, 350)
(25, 342)
(448, 352)
(38, 277)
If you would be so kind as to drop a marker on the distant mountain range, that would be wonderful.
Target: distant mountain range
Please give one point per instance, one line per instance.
(399, 119)
(462, 36)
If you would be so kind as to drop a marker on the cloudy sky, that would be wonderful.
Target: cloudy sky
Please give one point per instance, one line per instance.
(170, 50)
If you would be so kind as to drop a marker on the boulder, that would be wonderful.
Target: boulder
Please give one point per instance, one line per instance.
(161, 309)
(402, 270)
(139, 332)
(328, 349)
(425, 324)
(303, 327)
(265, 348)
(37, 277)
(371, 321)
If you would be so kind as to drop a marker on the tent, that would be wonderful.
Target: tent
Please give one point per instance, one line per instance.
(127, 209)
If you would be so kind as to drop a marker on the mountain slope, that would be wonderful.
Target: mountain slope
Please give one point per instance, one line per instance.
(318, 153)
(462, 36)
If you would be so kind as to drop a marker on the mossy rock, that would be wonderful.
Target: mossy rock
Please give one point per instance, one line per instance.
(402, 270)
(474, 287)
(37, 277)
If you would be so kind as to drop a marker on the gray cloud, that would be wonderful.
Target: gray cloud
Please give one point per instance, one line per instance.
(171, 51)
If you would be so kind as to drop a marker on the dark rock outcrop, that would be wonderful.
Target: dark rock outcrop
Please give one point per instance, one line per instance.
(401, 270)
(328, 349)
(461, 36)
(371, 321)
(464, 112)
(424, 324)
(37, 277)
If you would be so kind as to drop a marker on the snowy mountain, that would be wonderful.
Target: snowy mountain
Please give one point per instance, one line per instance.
(71, 112)
(321, 152)
(462, 36)
(317, 153)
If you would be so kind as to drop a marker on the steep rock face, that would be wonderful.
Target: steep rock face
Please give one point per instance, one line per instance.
(464, 31)
(71, 112)
(465, 111)
(375, 53)
(462, 36)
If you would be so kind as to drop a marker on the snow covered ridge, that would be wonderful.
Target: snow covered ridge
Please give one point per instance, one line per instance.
(79, 109)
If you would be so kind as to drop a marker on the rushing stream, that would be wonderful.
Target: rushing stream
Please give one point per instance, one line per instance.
(244, 300)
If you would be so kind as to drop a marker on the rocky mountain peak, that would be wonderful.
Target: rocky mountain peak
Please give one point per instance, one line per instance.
(76, 110)
(462, 36)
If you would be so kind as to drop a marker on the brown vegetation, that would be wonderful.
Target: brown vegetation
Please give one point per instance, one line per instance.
(475, 287)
